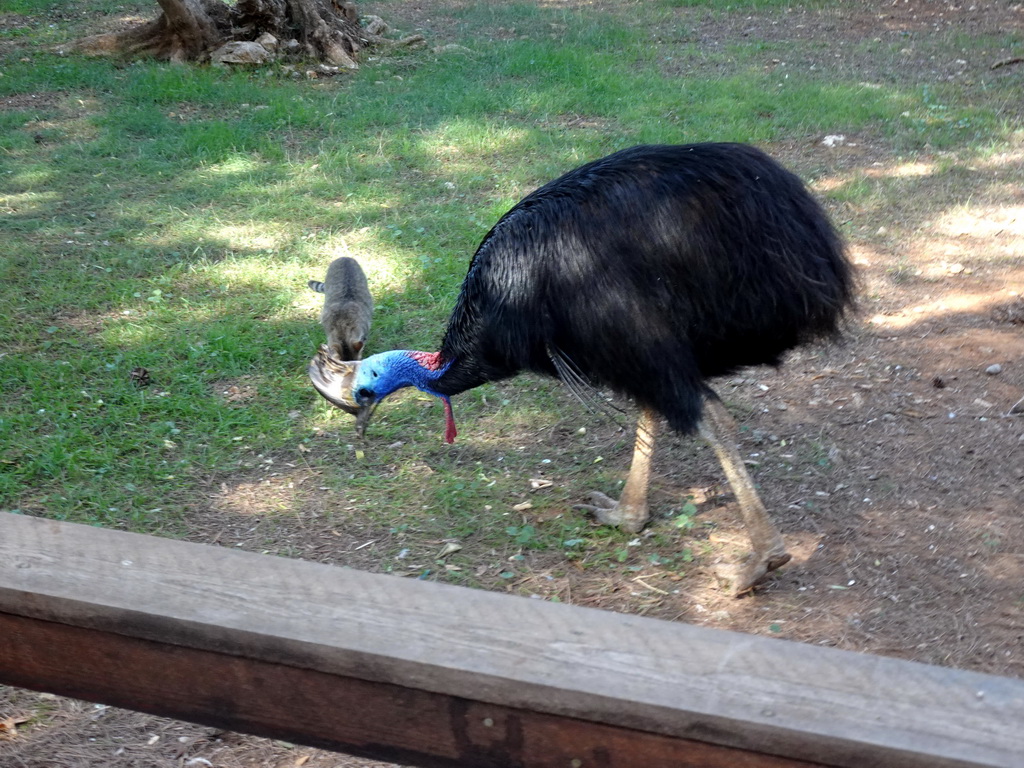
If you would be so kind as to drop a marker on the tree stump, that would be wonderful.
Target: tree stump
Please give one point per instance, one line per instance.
(189, 30)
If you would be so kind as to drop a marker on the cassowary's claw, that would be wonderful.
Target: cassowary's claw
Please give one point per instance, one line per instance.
(740, 578)
(598, 501)
(608, 511)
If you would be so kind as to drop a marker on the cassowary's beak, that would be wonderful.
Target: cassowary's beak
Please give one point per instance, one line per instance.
(366, 412)
(335, 379)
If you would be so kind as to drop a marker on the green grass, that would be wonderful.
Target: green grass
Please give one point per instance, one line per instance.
(169, 217)
(740, 6)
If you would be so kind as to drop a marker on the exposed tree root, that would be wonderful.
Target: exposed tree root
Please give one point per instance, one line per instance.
(190, 30)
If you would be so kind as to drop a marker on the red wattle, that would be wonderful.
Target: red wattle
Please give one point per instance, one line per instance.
(449, 422)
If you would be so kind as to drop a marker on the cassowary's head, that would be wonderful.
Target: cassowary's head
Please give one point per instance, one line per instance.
(381, 374)
(357, 387)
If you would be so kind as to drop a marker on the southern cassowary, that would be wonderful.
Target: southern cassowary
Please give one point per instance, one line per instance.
(648, 272)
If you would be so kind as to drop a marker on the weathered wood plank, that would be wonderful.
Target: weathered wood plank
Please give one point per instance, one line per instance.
(377, 720)
(762, 695)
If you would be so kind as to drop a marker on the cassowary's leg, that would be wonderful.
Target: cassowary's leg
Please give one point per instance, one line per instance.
(630, 512)
(769, 550)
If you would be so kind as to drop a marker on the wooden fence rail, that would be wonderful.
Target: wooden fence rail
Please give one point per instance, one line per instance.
(434, 675)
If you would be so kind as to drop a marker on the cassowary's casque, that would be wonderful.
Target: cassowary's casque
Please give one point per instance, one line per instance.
(648, 272)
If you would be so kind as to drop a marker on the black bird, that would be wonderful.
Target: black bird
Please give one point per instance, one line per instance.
(648, 272)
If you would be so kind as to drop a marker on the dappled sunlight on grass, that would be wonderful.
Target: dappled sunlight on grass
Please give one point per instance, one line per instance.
(1002, 163)
(902, 170)
(131, 329)
(894, 170)
(248, 236)
(988, 226)
(238, 164)
(36, 176)
(27, 203)
(388, 269)
(461, 146)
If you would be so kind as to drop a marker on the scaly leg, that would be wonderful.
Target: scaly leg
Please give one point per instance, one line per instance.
(630, 512)
(768, 548)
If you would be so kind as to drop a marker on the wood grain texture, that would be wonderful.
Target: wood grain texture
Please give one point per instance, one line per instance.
(766, 696)
(376, 720)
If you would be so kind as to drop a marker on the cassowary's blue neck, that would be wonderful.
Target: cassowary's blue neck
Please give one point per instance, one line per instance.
(380, 375)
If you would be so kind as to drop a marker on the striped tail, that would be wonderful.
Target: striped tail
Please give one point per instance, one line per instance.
(317, 286)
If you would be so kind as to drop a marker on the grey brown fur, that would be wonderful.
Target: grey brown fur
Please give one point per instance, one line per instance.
(348, 308)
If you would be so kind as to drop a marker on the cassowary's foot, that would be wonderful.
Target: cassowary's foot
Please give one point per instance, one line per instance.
(630, 513)
(739, 578)
(625, 516)
(768, 548)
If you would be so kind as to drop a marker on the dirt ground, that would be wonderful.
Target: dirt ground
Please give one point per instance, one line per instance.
(893, 462)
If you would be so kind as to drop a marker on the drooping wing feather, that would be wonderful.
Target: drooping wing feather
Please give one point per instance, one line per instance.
(581, 387)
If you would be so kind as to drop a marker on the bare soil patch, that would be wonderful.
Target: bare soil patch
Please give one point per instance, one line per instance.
(893, 462)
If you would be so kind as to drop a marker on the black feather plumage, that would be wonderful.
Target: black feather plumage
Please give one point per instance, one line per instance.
(650, 271)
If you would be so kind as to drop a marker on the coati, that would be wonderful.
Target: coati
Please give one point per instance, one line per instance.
(348, 308)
